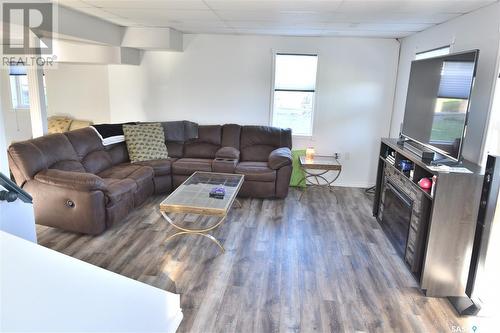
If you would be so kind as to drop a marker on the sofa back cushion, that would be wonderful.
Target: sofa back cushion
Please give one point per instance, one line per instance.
(180, 131)
(257, 142)
(175, 149)
(231, 135)
(207, 143)
(90, 151)
(53, 151)
(118, 153)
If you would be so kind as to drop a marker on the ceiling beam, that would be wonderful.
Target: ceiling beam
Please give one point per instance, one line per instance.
(153, 38)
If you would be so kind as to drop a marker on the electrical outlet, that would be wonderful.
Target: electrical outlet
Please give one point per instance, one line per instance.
(347, 156)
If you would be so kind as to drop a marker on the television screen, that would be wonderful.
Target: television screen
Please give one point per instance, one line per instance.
(437, 102)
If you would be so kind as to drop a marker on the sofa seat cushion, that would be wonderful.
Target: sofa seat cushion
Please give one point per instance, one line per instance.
(256, 171)
(160, 167)
(142, 175)
(119, 189)
(187, 166)
(124, 170)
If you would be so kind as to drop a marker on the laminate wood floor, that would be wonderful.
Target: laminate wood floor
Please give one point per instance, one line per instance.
(309, 266)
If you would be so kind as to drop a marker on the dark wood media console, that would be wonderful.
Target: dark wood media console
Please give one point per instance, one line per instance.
(433, 230)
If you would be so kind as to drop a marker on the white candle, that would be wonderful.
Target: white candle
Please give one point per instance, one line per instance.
(310, 153)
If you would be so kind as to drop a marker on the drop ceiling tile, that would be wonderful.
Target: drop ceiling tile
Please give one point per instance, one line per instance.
(156, 14)
(374, 18)
(150, 4)
(273, 15)
(445, 6)
(74, 3)
(412, 6)
(371, 34)
(97, 12)
(367, 6)
(275, 25)
(204, 30)
(179, 25)
(391, 17)
(282, 32)
(377, 26)
(282, 5)
(199, 25)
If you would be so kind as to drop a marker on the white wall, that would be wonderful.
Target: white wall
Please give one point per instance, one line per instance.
(78, 91)
(127, 88)
(227, 79)
(476, 30)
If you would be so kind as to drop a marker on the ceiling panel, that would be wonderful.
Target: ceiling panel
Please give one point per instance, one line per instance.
(282, 32)
(376, 27)
(370, 18)
(167, 15)
(283, 5)
(388, 17)
(74, 3)
(361, 33)
(151, 4)
(275, 25)
(272, 15)
(412, 6)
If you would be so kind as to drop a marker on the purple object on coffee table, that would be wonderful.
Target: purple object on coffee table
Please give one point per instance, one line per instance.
(217, 192)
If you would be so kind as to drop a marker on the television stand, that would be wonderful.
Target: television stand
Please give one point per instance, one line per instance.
(402, 140)
(442, 219)
(443, 160)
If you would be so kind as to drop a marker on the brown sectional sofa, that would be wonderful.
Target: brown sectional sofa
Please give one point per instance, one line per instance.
(80, 185)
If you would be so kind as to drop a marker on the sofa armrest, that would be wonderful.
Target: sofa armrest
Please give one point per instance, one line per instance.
(74, 180)
(228, 152)
(279, 158)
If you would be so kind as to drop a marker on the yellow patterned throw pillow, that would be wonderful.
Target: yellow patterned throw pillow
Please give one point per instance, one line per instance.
(58, 125)
(145, 142)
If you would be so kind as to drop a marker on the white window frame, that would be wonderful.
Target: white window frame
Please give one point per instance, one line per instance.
(315, 96)
(439, 51)
(18, 93)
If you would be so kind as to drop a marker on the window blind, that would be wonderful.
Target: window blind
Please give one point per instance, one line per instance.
(17, 70)
(295, 72)
(456, 79)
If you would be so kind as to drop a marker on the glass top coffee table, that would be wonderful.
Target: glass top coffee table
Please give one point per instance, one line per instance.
(192, 197)
(316, 169)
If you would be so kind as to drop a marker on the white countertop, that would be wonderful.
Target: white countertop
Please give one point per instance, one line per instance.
(43, 290)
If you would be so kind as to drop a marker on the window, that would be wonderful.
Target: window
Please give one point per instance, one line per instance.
(294, 92)
(433, 53)
(19, 87)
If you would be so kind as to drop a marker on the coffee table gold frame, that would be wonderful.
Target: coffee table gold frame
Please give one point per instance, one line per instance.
(201, 232)
(220, 213)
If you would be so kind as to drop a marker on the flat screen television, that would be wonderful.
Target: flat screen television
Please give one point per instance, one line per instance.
(437, 103)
